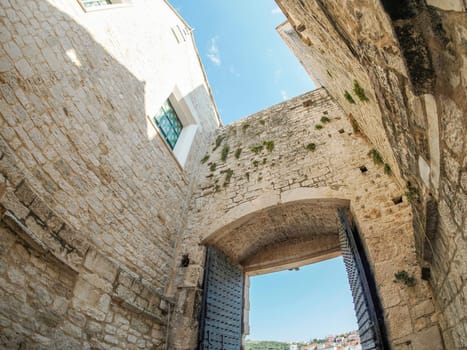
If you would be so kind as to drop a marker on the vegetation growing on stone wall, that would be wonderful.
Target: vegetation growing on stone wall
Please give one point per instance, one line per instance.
(219, 140)
(325, 119)
(358, 90)
(405, 278)
(376, 156)
(225, 153)
(205, 159)
(311, 146)
(255, 163)
(318, 126)
(412, 193)
(387, 169)
(238, 151)
(348, 97)
(213, 167)
(256, 149)
(262, 122)
(265, 160)
(269, 145)
(228, 175)
(247, 175)
(245, 126)
(353, 122)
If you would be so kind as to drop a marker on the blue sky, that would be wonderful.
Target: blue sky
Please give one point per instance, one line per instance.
(248, 66)
(249, 69)
(301, 305)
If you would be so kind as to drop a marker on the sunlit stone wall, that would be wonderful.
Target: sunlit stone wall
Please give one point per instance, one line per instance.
(92, 198)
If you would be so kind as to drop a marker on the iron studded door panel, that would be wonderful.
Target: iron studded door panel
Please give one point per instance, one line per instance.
(222, 310)
(366, 302)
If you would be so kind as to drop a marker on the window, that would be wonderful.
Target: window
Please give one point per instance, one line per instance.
(92, 5)
(175, 121)
(169, 123)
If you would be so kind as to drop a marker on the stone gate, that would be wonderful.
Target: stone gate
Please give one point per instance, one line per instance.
(268, 198)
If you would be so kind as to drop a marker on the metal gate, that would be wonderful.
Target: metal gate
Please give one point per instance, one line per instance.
(222, 308)
(366, 302)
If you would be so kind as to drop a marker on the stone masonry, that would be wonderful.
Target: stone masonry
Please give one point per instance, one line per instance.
(272, 171)
(103, 228)
(410, 60)
(91, 198)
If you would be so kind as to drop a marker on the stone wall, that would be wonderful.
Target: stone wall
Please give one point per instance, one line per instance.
(91, 196)
(410, 61)
(57, 290)
(278, 174)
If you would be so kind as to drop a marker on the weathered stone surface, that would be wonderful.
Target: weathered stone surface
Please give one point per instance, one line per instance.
(410, 61)
(283, 213)
(98, 213)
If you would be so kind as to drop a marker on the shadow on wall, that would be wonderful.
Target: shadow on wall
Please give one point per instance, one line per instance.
(76, 120)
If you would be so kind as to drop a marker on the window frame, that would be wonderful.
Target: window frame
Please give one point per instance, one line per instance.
(115, 5)
(162, 112)
(190, 124)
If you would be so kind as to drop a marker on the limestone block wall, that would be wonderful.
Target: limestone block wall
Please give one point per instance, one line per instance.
(411, 63)
(275, 168)
(90, 191)
(57, 290)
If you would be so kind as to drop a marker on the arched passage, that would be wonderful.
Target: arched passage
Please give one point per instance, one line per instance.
(286, 235)
(242, 194)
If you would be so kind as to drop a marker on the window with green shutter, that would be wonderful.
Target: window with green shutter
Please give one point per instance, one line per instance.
(168, 123)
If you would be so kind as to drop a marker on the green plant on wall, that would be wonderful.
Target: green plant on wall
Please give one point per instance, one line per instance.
(205, 159)
(387, 169)
(348, 97)
(238, 151)
(359, 92)
(355, 126)
(256, 149)
(213, 167)
(311, 146)
(325, 119)
(269, 145)
(228, 176)
(224, 153)
(318, 126)
(411, 194)
(405, 278)
(218, 142)
(376, 156)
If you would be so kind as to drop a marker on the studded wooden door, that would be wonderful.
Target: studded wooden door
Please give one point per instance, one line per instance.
(366, 302)
(222, 309)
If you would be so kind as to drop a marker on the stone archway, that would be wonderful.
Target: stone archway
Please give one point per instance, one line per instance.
(283, 235)
(287, 235)
(281, 162)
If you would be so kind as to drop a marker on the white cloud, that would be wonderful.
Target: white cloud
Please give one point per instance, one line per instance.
(284, 95)
(234, 72)
(213, 52)
(276, 10)
(277, 75)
